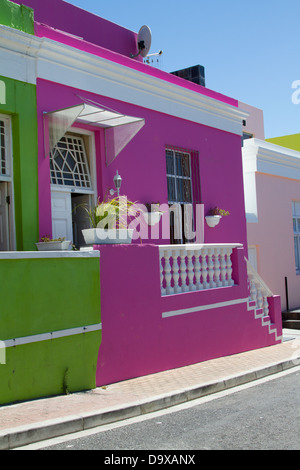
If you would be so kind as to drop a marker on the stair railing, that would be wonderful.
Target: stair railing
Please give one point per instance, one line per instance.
(258, 289)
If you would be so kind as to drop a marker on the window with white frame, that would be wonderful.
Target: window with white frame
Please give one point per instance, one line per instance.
(69, 164)
(296, 228)
(4, 148)
(179, 177)
(180, 191)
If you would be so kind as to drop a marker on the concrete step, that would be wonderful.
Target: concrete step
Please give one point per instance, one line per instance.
(291, 315)
(292, 324)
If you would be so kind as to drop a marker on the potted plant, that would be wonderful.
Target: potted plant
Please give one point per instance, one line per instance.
(153, 215)
(53, 244)
(109, 221)
(215, 216)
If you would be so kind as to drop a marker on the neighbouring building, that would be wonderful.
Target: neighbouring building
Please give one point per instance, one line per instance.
(272, 195)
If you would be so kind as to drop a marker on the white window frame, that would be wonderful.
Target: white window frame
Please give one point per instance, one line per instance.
(8, 178)
(178, 215)
(175, 176)
(89, 136)
(8, 149)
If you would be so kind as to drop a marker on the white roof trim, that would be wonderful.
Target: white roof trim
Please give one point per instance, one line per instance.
(28, 57)
(266, 157)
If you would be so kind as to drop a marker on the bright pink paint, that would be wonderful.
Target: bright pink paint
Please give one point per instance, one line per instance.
(63, 16)
(142, 163)
(65, 23)
(136, 340)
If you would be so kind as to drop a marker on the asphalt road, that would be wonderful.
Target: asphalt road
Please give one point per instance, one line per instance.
(262, 417)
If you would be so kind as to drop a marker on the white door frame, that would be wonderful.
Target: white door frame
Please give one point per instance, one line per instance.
(91, 155)
(8, 179)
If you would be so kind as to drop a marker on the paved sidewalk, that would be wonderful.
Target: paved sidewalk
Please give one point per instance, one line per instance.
(25, 423)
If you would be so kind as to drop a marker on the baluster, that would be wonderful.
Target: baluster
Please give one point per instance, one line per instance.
(266, 306)
(217, 268)
(184, 286)
(177, 287)
(229, 267)
(211, 269)
(204, 268)
(168, 274)
(199, 286)
(190, 254)
(253, 291)
(224, 281)
(259, 297)
(162, 278)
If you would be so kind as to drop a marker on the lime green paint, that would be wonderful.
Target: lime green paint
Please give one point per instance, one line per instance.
(288, 141)
(48, 368)
(42, 296)
(17, 16)
(21, 106)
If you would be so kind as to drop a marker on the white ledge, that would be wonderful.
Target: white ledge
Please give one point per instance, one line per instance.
(200, 246)
(48, 254)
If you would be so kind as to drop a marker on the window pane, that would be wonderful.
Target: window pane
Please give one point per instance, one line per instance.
(187, 190)
(171, 189)
(2, 149)
(69, 163)
(182, 164)
(179, 187)
(170, 163)
(297, 208)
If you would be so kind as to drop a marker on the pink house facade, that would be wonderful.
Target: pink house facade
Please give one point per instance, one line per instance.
(271, 179)
(163, 304)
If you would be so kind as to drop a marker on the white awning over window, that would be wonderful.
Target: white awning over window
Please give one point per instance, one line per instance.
(119, 129)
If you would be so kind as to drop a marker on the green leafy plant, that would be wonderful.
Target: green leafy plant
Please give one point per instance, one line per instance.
(48, 239)
(218, 211)
(112, 212)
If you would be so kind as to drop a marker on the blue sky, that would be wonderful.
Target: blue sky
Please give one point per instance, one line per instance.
(250, 49)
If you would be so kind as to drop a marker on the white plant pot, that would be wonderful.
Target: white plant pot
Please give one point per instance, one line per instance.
(54, 246)
(101, 236)
(152, 218)
(213, 220)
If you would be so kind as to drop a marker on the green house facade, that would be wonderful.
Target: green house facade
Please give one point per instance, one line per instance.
(18, 137)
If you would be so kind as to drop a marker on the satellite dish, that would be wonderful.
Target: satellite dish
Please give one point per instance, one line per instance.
(143, 41)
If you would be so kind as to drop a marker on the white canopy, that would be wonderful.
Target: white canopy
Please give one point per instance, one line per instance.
(119, 129)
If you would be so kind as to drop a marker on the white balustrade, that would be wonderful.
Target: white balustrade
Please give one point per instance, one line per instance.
(189, 268)
(258, 290)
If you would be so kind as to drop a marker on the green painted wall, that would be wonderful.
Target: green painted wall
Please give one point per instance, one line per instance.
(288, 141)
(42, 296)
(21, 106)
(17, 16)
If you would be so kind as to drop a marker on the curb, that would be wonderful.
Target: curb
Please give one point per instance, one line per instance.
(24, 435)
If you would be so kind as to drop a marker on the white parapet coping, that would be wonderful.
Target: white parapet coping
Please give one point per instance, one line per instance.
(48, 254)
(200, 246)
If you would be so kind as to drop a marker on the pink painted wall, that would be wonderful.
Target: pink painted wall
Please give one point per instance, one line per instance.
(63, 16)
(273, 235)
(255, 121)
(137, 341)
(142, 163)
(70, 25)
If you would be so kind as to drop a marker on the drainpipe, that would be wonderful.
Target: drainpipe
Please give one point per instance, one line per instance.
(287, 293)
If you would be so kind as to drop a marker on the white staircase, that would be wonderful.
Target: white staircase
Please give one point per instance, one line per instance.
(258, 300)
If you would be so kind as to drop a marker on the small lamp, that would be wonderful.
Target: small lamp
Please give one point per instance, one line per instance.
(117, 183)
